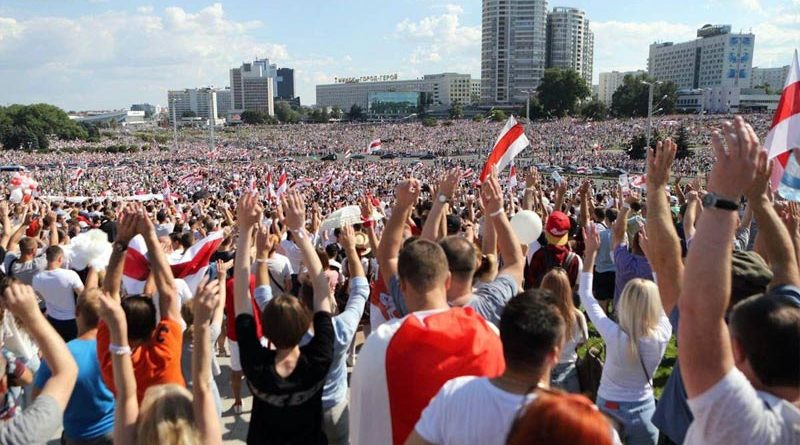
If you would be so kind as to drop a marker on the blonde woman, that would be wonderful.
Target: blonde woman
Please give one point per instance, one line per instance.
(169, 413)
(634, 348)
(565, 375)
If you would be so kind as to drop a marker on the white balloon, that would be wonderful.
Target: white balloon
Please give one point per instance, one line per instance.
(16, 196)
(527, 225)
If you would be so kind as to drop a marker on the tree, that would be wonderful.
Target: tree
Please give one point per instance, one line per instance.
(560, 91)
(498, 115)
(595, 110)
(320, 115)
(638, 149)
(356, 113)
(630, 99)
(251, 117)
(456, 111)
(31, 126)
(188, 113)
(682, 141)
(429, 122)
(336, 112)
(477, 118)
(286, 114)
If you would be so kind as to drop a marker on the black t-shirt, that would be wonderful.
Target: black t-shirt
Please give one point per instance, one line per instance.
(110, 228)
(286, 410)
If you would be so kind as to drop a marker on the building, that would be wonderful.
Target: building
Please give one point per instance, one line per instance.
(253, 87)
(570, 42)
(149, 110)
(609, 82)
(513, 49)
(285, 82)
(475, 94)
(224, 102)
(726, 99)
(193, 102)
(775, 78)
(716, 58)
(440, 89)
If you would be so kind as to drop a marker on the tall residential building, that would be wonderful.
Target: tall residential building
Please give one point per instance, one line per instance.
(443, 89)
(202, 102)
(570, 42)
(285, 81)
(609, 82)
(513, 47)
(475, 91)
(717, 58)
(253, 86)
(224, 102)
(774, 77)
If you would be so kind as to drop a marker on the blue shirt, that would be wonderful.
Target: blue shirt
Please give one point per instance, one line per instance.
(604, 263)
(90, 411)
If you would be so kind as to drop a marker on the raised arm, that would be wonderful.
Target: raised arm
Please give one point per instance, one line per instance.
(368, 223)
(160, 269)
(664, 245)
(445, 191)
(693, 208)
(791, 218)
(618, 228)
(52, 227)
(561, 191)
(407, 193)
(706, 355)
(294, 207)
(263, 246)
(206, 304)
(126, 230)
(507, 242)
(248, 214)
(585, 200)
(6, 221)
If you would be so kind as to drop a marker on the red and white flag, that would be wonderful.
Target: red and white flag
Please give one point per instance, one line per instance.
(784, 133)
(167, 193)
(512, 177)
(191, 266)
(78, 174)
(510, 143)
(283, 185)
(348, 153)
(467, 173)
(194, 178)
(373, 146)
(300, 183)
(637, 181)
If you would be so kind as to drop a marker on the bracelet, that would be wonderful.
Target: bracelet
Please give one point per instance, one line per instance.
(119, 350)
(496, 213)
(261, 261)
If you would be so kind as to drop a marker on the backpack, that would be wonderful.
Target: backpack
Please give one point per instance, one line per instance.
(590, 369)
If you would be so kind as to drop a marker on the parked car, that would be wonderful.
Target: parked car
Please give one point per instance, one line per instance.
(599, 171)
(388, 156)
(616, 172)
(428, 156)
(357, 156)
(329, 157)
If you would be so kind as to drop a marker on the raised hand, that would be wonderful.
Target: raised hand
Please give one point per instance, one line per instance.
(20, 299)
(126, 224)
(263, 241)
(591, 239)
(407, 193)
(365, 204)
(659, 163)
(736, 148)
(206, 301)
(583, 191)
(248, 211)
(758, 188)
(223, 267)
(449, 184)
(532, 180)
(294, 207)
(644, 241)
(110, 311)
(347, 238)
(492, 194)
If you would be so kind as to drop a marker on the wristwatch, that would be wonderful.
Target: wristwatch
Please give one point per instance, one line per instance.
(442, 198)
(712, 200)
(119, 247)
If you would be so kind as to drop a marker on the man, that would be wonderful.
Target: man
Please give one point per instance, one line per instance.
(27, 264)
(405, 362)
(743, 384)
(58, 288)
(556, 253)
(156, 348)
(289, 249)
(481, 410)
(89, 416)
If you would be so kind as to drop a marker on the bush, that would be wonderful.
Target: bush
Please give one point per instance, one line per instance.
(447, 123)
(430, 122)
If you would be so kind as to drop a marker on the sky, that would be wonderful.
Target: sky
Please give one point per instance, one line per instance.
(109, 54)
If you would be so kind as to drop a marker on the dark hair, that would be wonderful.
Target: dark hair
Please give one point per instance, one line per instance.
(530, 327)
(611, 214)
(767, 327)
(599, 213)
(285, 320)
(636, 206)
(53, 253)
(461, 256)
(186, 240)
(331, 250)
(323, 258)
(140, 312)
(422, 264)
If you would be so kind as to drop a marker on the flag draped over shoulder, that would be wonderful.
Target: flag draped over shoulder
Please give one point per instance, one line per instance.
(784, 133)
(510, 143)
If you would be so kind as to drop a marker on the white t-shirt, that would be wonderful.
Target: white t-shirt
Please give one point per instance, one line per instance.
(294, 254)
(57, 288)
(732, 412)
(184, 295)
(470, 410)
(280, 270)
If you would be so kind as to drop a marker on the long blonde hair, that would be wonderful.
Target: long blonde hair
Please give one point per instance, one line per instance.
(167, 417)
(557, 282)
(639, 310)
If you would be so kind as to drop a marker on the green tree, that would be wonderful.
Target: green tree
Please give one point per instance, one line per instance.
(188, 113)
(477, 118)
(595, 110)
(286, 114)
(251, 117)
(638, 148)
(499, 115)
(429, 122)
(336, 112)
(560, 91)
(682, 141)
(31, 126)
(456, 110)
(630, 99)
(356, 113)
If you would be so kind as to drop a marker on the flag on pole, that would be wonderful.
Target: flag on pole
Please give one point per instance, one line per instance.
(283, 185)
(167, 193)
(512, 177)
(373, 146)
(511, 142)
(784, 133)
(467, 173)
(348, 153)
(78, 174)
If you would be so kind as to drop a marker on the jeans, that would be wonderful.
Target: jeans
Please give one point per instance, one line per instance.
(565, 377)
(636, 418)
(335, 423)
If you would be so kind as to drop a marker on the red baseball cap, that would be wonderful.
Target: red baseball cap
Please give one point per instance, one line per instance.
(557, 229)
(33, 228)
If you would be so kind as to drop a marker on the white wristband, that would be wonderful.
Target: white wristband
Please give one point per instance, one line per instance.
(119, 350)
(497, 213)
(625, 205)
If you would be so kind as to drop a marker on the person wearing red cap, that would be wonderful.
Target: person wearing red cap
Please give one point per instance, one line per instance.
(555, 253)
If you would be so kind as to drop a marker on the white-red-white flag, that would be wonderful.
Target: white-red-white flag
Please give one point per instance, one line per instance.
(373, 146)
(467, 173)
(167, 193)
(510, 143)
(348, 153)
(784, 133)
(512, 177)
(283, 185)
(78, 174)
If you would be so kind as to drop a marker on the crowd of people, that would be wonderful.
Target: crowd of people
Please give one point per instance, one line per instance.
(115, 313)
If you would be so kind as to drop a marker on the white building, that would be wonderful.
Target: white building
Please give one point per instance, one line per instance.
(609, 82)
(202, 102)
(253, 87)
(443, 89)
(773, 77)
(726, 99)
(513, 49)
(475, 94)
(716, 58)
(570, 42)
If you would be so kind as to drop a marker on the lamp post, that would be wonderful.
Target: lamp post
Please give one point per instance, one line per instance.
(528, 94)
(650, 86)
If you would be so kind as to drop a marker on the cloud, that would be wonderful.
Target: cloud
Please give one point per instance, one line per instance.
(112, 59)
(753, 5)
(440, 37)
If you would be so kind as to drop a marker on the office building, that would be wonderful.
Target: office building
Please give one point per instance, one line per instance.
(717, 58)
(224, 102)
(774, 78)
(609, 82)
(148, 109)
(513, 49)
(253, 87)
(726, 99)
(285, 82)
(442, 90)
(475, 94)
(193, 102)
(570, 42)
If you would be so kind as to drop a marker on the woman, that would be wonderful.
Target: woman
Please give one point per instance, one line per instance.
(169, 413)
(561, 419)
(565, 375)
(286, 382)
(634, 348)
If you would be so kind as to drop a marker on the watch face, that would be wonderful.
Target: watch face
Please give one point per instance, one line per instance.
(442, 198)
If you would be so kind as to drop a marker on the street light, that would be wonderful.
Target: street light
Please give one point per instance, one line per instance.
(650, 86)
(528, 102)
